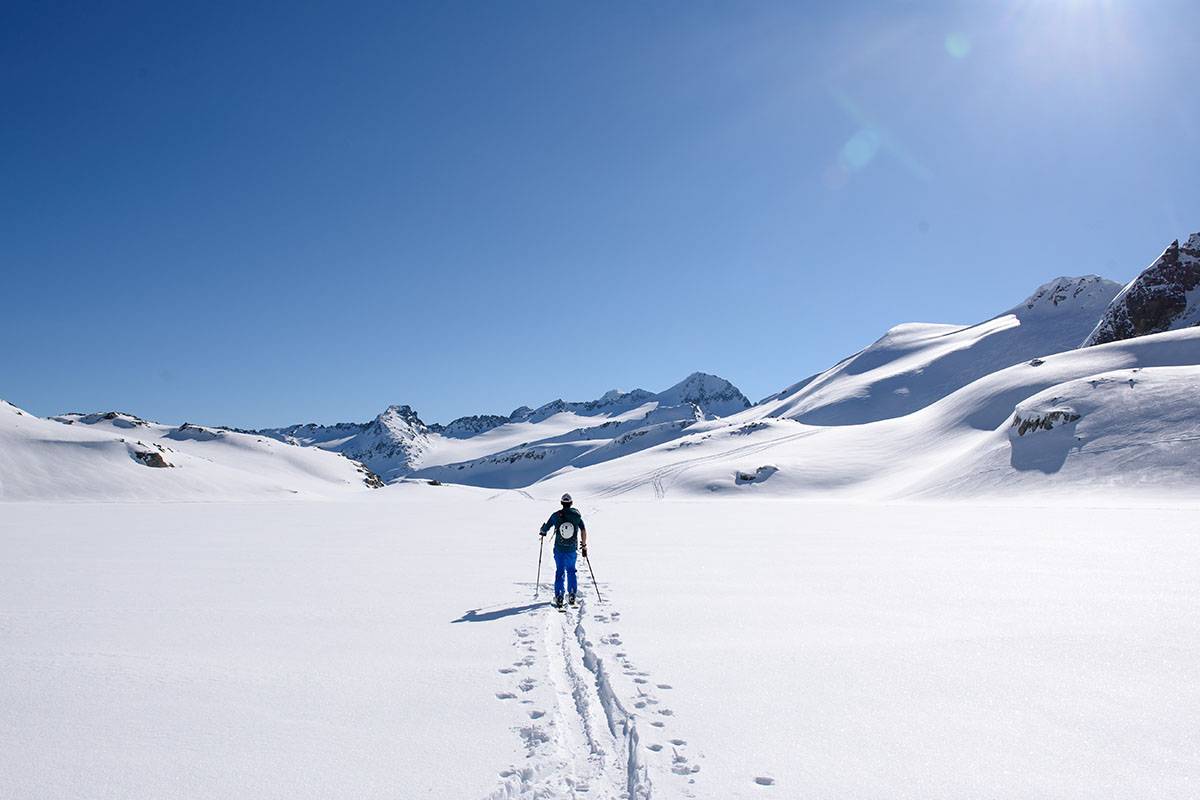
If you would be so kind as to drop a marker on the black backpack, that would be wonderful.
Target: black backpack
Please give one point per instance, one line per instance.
(568, 526)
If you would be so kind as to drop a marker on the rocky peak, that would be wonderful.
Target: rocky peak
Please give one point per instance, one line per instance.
(1090, 293)
(711, 394)
(1163, 297)
(402, 415)
(465, 427)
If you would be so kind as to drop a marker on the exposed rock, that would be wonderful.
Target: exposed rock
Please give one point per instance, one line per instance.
(1163, 297)
(1043, 422)
(119, 419)
(714, 396)
(395, 443)
(372, 480)
(465, 427)
(151, 458)
(759, 475)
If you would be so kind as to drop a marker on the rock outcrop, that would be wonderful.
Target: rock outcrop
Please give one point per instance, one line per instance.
(1164, 297)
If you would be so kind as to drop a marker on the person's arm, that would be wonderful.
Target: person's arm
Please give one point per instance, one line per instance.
(583, 537)
(549, 524)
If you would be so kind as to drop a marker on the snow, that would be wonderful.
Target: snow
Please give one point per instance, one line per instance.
(388, 645)
(960, 563)
(916, 364)
(95, 458)
(957, 448)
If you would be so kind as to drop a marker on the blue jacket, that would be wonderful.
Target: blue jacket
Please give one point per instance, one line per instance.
(565, 543)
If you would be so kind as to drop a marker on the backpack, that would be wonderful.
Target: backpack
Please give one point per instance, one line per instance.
(566, 527)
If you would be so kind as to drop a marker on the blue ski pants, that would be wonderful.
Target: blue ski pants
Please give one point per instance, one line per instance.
(564, 563)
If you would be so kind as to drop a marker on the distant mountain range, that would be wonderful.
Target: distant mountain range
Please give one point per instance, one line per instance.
(890, 418)
(483, 449)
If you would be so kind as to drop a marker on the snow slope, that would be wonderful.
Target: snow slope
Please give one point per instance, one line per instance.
(120, 457)
(369, 648)
(1137, 443)
(528, 444)
(1111, 431)
(917, 364)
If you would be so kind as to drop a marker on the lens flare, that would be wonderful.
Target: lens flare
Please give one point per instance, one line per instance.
(861, 149)
(958, 45)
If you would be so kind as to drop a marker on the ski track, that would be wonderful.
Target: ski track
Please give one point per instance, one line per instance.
(591, 723)
(657, 477)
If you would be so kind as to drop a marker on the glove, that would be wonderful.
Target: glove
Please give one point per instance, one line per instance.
(542, 534)
(585, 551)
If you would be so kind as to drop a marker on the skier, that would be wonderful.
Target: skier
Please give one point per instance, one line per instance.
(566, 522)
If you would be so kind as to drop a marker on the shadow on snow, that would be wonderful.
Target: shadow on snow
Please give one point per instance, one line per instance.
(478, 615)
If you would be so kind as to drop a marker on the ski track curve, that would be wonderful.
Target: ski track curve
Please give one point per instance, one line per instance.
(583, 700)
(656, 478)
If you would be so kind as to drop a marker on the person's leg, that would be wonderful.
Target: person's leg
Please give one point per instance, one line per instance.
(569, 560)
(559, 569)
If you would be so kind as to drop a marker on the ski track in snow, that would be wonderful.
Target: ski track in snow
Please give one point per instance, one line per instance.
(656, 477)
(593, 725)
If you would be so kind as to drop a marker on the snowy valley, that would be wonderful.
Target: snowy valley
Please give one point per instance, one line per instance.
(959, 563)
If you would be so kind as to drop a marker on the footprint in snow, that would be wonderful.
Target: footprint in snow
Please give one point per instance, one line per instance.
(535, 714)
(658, 724)
(533, 736)
(527, 684)
(654, 747)
(680, 764)
(764, 781)
(505, 696)
(663, 685)
(678, 742)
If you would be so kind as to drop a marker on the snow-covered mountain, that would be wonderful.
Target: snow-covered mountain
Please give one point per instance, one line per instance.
(116, 456)
(1164, 297)
(916, 364)
(1051, 425)
(526, 445)
(927, 410)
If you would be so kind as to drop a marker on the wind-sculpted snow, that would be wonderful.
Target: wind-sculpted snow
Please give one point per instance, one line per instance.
(915, 365)
(937, 449)
(1115, 431)
(111, 457)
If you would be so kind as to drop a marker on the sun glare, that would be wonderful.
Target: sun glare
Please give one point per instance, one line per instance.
(1086, 41)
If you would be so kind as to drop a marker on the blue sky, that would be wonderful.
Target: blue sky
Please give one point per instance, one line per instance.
(258, 214)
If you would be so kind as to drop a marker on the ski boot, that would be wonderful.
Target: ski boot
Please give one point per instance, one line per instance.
(571, 599)
(558, 601)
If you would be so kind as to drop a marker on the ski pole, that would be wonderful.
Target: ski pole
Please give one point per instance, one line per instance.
(589, 563)
(538, 585)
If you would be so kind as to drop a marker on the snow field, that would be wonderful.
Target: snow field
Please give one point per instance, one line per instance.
(389, 646)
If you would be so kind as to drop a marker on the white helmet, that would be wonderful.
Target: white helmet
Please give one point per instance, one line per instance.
(566, 500)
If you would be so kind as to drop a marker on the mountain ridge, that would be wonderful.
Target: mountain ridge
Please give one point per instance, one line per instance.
(928, 389)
